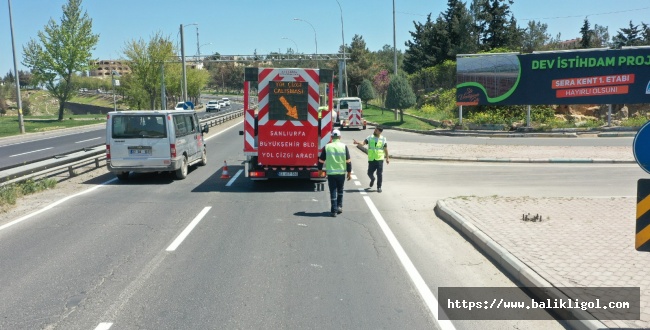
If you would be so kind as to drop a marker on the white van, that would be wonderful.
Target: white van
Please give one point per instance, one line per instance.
(154, 141)
(349, 113)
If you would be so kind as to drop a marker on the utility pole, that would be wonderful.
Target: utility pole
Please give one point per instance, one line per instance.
(19, 103)
(394, 41)
(183, 63)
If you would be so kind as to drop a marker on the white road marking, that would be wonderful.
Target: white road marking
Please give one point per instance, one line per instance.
(5, 226)
(97, 138)
(29, 152)
(234, 178)
(357, 183)
(354, 177)
(104, 326)
(426, 294)
(208, 138)
(188, 229)
(363, 191)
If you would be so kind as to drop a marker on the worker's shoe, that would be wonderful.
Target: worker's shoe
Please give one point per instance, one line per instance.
(339, 210)
(378, 189)
(333, 214)
(372, 182)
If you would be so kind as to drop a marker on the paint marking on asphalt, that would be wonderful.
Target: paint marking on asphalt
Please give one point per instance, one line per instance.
(188, 229)
(104, 326)
(426, 294)
(363, 191)
(5, 226)
(29, 152)
(354, 177)
(97, 138)
(234, 178)
(226, 129)
(357, 183)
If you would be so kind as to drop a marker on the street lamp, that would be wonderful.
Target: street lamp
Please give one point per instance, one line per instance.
(183, 61)
(209, 43)
(345, 66)
(21, 123)
(115, 84)
(312, 27)
(293, 43)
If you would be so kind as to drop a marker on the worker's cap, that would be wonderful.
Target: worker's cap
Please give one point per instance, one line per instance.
(336, 133)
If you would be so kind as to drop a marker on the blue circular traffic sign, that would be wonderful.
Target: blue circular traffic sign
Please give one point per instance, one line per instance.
(641, 147)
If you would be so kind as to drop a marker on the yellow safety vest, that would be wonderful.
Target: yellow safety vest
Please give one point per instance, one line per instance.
(335, 158)
(376, 147)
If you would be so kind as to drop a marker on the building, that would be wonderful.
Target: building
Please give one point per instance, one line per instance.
(103, 68)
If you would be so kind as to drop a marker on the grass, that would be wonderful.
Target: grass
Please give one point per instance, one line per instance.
(374, 114)
(9, 125)
(10, 193)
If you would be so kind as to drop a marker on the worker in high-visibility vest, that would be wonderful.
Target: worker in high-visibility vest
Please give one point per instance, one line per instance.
(336, 158)
(377, 152)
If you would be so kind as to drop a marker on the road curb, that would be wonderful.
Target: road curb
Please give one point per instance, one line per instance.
(508, 160)
(510, 264)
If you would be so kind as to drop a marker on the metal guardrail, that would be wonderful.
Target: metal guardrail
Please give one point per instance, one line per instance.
(82, 161)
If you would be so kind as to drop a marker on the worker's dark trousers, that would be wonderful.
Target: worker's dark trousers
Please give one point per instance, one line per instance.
(335, 183)
(376, 165)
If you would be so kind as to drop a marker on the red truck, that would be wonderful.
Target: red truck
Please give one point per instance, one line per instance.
(285, 134)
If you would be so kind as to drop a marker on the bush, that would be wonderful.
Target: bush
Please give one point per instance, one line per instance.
(634, 122)
(10, 193)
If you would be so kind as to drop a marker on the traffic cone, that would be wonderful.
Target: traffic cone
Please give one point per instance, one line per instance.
(224, 171)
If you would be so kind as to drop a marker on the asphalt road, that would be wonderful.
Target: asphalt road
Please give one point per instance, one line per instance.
(34, 147)
(265, 254)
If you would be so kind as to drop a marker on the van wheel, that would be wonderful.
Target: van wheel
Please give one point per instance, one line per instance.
(122, 176)
(181, 173)
(204, 158)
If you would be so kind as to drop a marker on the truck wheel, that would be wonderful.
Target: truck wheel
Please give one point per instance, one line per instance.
(181, 173)
(204, 158)
(122, 176)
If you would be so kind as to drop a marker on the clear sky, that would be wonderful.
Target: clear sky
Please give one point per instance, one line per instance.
(239, 27)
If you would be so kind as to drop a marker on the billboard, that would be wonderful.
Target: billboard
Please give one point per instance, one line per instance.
(562, 77)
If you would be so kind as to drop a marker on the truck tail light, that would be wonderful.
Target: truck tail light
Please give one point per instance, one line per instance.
(108, 152)
(172, 150)
(314, 174)
(257, 174)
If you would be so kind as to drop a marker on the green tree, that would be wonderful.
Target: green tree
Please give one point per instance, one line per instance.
(196, 81)
(630, 36)
(586, 34)
(145, 59)
(400, 95)
(602, 35)
(360, 62)
(452, 33)
(534, 37)
(385, 57)
(366, 92)
(421, 52)
(460, 30)
(645, 33)
(61, 51)
(494, 23)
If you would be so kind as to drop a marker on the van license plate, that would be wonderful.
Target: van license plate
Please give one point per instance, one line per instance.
(140, 151)
(287, 173)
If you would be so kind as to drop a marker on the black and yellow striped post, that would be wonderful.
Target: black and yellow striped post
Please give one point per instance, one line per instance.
(642, 239)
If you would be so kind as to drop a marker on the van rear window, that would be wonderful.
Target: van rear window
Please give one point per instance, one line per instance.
(138, 126)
